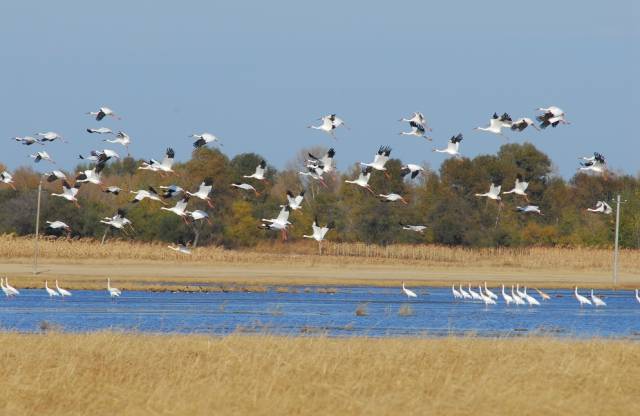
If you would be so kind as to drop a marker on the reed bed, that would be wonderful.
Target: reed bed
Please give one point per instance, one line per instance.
(130, 374)
(12, 247)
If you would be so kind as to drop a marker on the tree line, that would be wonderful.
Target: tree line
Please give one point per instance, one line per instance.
(443, 200)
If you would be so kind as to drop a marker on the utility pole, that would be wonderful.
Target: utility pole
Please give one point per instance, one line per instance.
(35, 242)
(615, 249)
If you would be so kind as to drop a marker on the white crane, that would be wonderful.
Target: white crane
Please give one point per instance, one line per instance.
(410, 293)
(143, 194)
(530, 209)
(118, 221)
(601, 208)
(102, 113)
(171, 191)
(530, 299)
(100, 130)
(58, 225)
(417, 118)
(596, 163)
(166, 166)
(363, 179)
(180, 247)
(380, 160)
(551, 116)
(508, 299)
(50, 292)
(315, 172)
(245, 187)
(494, 192)
(412, 169)
(12, 290)
(61, 291)
(114, 292)
(516, 297)
(522, 123)
(115, 190)
(180, 208)
(581, 299)
(69, 193)
(28, 140)
(474, 294)
(7, 178)
(415, 228)
(260, 172)
(204, 139)
(54, 175)
(280, 223)
(417, 130)
(489, 292)
(392, 197)
(199, 214)
(6, 292)
(295, 201)
(100, 155)
(94, 175)
(597, 301)
(325, 163)
(496, 124)
(329, 124)
(318, 231)
(637, 296)
(486, 299)
(519, 188)
(464, 293)
(453, 147)
(50, 136)
(204, 191)
(38, 156)
(456, 293)
(121, 138)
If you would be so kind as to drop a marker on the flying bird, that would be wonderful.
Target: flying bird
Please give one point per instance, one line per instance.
(363, 179)
(197, 215)
(245, 186)
(530, 209)
(97, 155)
(522, 123)
(115, 190)
(318, 231)
(392, 198)
(295, 201)
(118, 221)
(412, 169)
(494, 192)
(519, 188)
(143, 194)
(180, 247)
(601, 208)
(496, 124)
(93, 175)
(171, 191)
(595, 163)
(417, 130)
(329, 124)
(204, 139)
(314, 172)
(51, 136)
(260, 172)
(38, 156)
(58, 225)
(453, 147)
(325, 163)
(100, 130)
(204, 190)
(551, 116)
(7, 178)
(102, 113)
(27, 140)
(415, 228)
(69, 193)
(54, 175)
(417, 118)
(163, 167)
(121, 138)
(380, 160)
(279, 223)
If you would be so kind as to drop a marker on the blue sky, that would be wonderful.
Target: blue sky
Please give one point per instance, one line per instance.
(256, 73)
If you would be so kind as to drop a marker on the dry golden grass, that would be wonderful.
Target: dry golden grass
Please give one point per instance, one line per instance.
(85, 264)
(110, 373)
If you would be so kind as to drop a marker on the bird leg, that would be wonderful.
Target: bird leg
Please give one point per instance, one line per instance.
(76, 204)
(209, 203)
(12, 187)
(386, 175)
(323, 183)
(368, 188)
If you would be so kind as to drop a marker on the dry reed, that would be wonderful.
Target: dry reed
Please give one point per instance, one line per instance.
(111, 373)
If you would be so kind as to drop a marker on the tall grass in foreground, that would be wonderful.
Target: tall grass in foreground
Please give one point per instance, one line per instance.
(110, 373)
(348, 253)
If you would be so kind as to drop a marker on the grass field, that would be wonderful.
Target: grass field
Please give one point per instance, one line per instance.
(110, 373)
(85, 264)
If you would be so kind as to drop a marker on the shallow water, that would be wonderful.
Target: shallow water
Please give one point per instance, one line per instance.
(433, 313)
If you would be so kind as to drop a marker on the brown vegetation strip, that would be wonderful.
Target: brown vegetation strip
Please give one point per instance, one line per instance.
(111, 373)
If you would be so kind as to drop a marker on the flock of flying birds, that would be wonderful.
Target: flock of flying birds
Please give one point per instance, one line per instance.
(315, 169)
